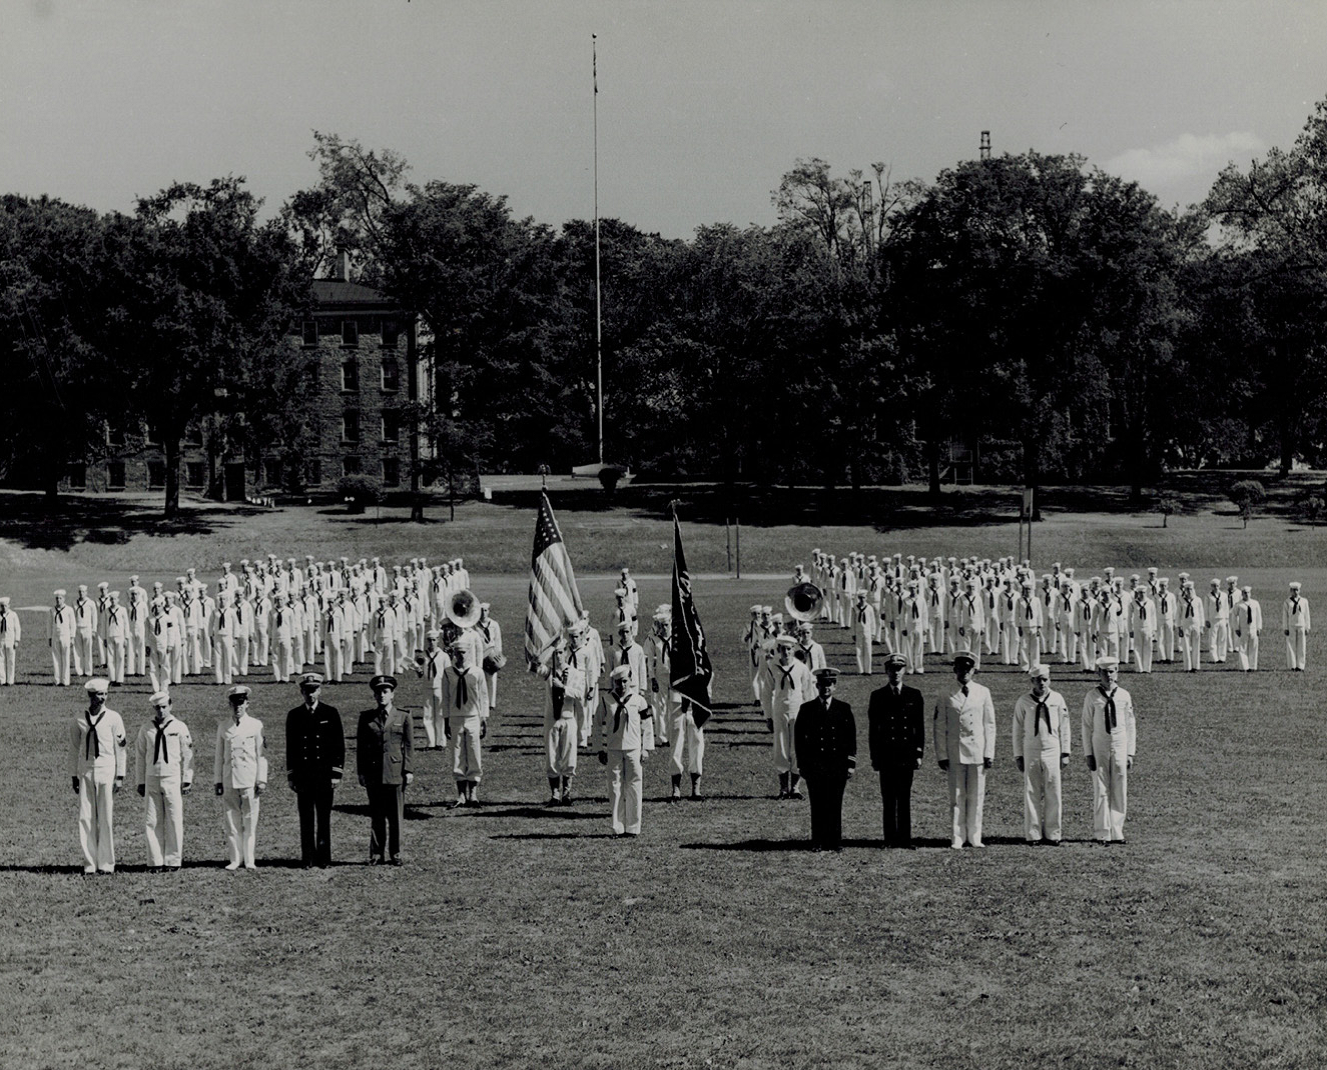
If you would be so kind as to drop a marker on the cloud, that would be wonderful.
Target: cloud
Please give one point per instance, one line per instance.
(1189, 157)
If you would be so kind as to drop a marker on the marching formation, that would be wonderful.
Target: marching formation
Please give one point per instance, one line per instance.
(271, 616)
(962, 610)
(1003, 609)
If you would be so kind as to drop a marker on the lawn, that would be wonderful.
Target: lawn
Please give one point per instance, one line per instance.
(519, 935)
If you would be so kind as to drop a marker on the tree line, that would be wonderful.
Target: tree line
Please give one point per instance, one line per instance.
(1027, 317)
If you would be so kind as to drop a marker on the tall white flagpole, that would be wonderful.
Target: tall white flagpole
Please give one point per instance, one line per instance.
(598, 319)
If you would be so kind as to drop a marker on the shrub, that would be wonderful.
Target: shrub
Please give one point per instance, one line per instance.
(609, 475)
(1167, 502)
(1248, 494)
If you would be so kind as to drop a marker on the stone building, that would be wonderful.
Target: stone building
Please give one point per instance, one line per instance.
(360, 354)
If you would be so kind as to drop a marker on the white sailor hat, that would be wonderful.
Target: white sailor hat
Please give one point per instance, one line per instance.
(1039, 672)
(1295, 585)
(1108, 663)
(158, 698)
(98, 685)
(622, 672)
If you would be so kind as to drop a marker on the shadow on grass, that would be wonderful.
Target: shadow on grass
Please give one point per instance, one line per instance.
(769, 846)
(31, 521)
(556, 835)
(559, 813)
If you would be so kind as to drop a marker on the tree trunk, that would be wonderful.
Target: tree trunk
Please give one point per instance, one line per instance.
(1032, 475)
(172, 474)
(1287, 445)
(933, 470)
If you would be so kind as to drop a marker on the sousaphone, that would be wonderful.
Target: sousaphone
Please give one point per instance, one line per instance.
(463, 609)
(803, 601)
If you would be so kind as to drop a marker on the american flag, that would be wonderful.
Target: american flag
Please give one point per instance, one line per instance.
(554, 600)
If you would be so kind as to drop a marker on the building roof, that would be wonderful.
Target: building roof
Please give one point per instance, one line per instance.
(339, 294)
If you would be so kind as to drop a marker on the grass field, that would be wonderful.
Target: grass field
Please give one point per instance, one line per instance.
(517, 935)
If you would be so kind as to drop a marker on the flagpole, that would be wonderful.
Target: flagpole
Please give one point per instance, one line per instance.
(598, 319)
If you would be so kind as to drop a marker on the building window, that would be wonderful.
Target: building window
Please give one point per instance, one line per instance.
(310, 331)
(391, 334)
(350, 332)
(78, 476)
(350, 427)
(349, 375)
(314, 470)
(350, 466)
(114, 434)
(115, 475)
(391, 472)
(153, 434)
(156, 475)
(193, 434)
(391, 426)
(195, 473)
(273, 473)
(391, 375)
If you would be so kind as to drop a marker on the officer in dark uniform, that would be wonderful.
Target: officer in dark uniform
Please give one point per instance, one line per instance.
(384, 755)
(825, 737)
(315, 760)
(896, 729)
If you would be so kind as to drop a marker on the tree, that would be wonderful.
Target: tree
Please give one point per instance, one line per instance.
(1248, 494)
(1025, 293)
(204, 293)
(1167, 502)
(1274, 218)
(59, 387)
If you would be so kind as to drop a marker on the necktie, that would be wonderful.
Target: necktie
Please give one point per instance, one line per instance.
(1142, 611)
(1165, 603)
(861, 616)
(278, 618)
(484, 628)
(1110, 708)
(462, 692)
(1029, 611)
(965, 690)
(156, 627)
(617, 716)
(4, 622)
(786, 684)
(92, 748)
(239, 614)
(1042, 710)
(1294, 605)
(160, 750)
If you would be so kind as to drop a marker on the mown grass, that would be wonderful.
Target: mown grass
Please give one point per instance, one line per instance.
(517, 935)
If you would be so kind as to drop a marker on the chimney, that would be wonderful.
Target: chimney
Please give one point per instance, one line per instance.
(342, 271)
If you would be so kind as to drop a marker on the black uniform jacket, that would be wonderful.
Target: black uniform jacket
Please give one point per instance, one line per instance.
(896, 728)
(826, 740)
(315, 744)
(385, 746)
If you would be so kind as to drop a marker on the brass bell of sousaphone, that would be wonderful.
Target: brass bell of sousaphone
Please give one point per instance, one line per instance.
(803, 601)
(463, 609)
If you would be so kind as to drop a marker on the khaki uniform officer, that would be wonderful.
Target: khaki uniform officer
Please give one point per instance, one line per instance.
(164, 761)
(465, 700)
(239, 771)
(1041, 749)
(1294, 621)
(96, 765)
(1108, 741)
(964, 736)
(623, 746)
(385, 759)
(11, 633)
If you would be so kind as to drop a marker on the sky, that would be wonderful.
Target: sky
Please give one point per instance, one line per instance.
(703, 104)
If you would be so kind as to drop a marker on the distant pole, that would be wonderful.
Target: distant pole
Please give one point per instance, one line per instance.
(737, 521)
(598, 318)
(728, 541)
